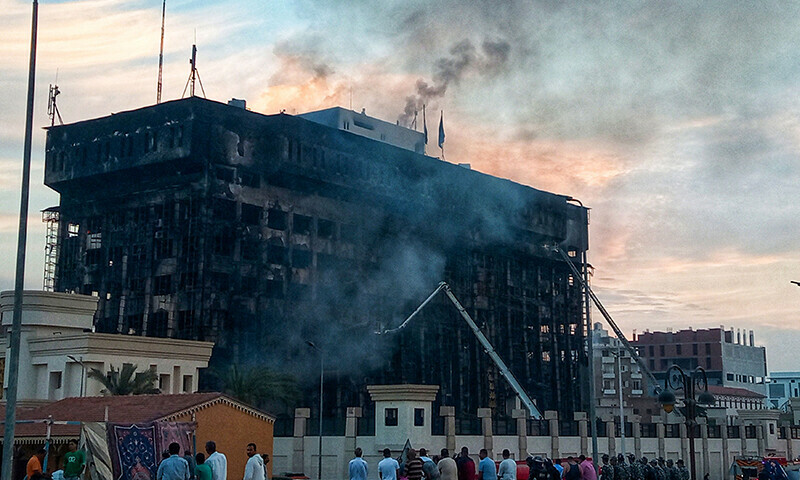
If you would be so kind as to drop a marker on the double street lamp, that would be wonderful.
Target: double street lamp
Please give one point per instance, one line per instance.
(695, 394)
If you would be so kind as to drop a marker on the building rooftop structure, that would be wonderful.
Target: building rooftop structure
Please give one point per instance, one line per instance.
(193, 219)
(730, 358)
(366, 126)
(59, 347)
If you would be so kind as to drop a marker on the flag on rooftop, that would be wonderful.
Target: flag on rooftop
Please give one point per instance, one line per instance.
(441, 129)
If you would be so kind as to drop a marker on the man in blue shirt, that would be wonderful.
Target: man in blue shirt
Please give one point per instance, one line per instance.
(173, 467)
(486, 467)
(388, 468)
(358, 467)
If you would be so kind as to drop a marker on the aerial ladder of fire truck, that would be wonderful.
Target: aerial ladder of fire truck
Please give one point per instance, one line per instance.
(504, 370)
(621, 336)
(487, 346)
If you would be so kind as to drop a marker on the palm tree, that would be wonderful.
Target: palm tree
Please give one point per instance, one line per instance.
(257, 385)
(126, 381)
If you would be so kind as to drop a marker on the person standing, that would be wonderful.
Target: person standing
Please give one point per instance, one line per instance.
(573, 471)
(683, 472)
(508, 467)
(413, 470)
(448, 469)
(74, 461)
(254, 468)
(466, 467)
(173, 467)
(216, 461)
(187, 455)
(486, 467)
(388, 468)
(536, 470)
(358, 466)
(202, 471)
(34, 467)
(587, 469)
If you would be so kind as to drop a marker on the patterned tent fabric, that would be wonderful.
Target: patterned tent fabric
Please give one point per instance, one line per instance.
(135, 449)
(178, 432)
(94, 442)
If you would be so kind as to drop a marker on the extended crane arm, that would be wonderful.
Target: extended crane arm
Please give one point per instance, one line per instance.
(611, 322)
(487, 346)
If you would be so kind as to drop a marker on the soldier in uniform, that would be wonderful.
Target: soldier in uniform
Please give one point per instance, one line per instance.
(661, 469)
(623, 473)
(683, 471)
(672, 471)
(606, 470)
(652, 472)
(633, 467)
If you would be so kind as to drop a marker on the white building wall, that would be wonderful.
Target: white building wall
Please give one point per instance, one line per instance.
(56, 339)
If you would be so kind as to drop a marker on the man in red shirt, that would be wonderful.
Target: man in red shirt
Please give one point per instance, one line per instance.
(466, 467)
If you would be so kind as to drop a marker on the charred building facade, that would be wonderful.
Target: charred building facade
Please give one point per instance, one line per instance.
(199, 220)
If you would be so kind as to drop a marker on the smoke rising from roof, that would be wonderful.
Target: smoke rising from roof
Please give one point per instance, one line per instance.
(464, 58)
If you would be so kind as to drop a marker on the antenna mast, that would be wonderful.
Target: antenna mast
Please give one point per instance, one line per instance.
(193, 75)
(161, 51)
(52, 107)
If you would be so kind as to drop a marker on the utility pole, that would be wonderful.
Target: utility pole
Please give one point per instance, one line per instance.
(22, 239)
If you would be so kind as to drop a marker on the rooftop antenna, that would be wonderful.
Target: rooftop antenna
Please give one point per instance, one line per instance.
(161, 50)
(194, 75)
(52, 107)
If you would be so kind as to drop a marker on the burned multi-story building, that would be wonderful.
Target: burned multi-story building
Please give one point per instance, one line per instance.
(195, 219)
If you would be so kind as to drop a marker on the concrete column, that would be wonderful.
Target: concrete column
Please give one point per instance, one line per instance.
(521, 415)
(660, 434)
(552, 417)
(787, 426)
(449, 414)
(611, 435)
(726, 455)
(636, 425)
(761, 433)
(684, 433)
(301, 416)
(704, 446)
(743, 438)
(583, 431)
(485, 414)
(350, 427)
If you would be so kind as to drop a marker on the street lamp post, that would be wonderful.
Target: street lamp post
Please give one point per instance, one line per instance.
(321, 383)
(83, 370)
(696, 382)
(621, 404)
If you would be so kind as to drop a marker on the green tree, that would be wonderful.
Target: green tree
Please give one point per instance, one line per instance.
(126, 381)
(258, 386)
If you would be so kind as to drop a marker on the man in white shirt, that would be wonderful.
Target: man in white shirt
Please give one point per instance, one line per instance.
(388, 468)
(254, 470)
(448, 470)
(508, 467)
(217, 462)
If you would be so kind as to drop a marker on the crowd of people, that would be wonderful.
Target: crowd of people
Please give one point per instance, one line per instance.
(610, 468)
(212, 465)
(417, 465)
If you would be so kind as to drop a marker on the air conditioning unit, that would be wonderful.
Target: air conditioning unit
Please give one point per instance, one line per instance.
(159, 223)
(159, 234)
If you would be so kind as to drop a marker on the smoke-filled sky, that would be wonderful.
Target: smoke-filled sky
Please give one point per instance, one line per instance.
(677, 123)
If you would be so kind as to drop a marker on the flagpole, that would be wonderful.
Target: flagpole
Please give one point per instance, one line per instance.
(16, 322)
